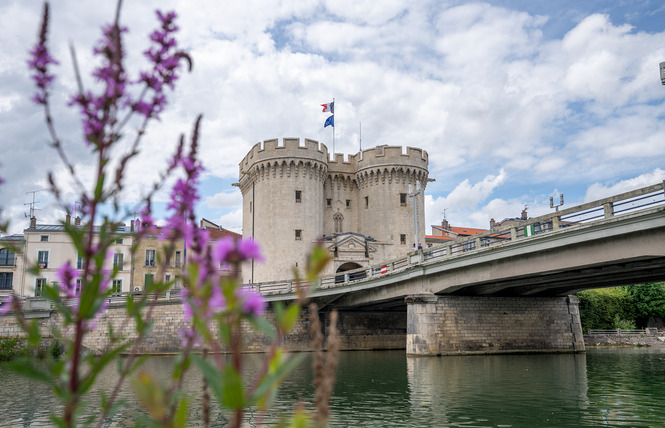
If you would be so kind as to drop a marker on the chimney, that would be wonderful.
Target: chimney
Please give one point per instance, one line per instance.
(131, 226)
(524, 216)
(77, 221)
(444, 224)
(492, 223)
(33, 222)
(68, 219)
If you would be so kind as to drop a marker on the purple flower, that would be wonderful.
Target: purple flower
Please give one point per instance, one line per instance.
(67, 276)
(221, 250)
(8, 303)
(39, 61)
(252, 303)
(249, 249)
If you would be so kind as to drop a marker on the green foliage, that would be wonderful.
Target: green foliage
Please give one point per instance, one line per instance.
(600, 307)
(18, 347)
(649, 301)
(623, 324)
(622, 307)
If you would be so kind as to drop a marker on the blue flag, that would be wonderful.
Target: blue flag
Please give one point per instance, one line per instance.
(330, 121)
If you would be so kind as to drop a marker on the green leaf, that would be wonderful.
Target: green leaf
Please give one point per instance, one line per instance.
(262, 325)
(26, 368)
(151, 394)
(180, 416)
(232, 387)
(288, 318)
(318, 258)
(34, 336)
(210, 374)
(278, 370)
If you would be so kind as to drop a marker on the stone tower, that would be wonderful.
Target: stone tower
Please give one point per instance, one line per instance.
(294, 195)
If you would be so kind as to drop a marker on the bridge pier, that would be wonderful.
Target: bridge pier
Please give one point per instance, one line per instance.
(459, 325)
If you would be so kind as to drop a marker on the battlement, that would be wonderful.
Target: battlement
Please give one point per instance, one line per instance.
(392, 155)
(294, 148)
(287, 148)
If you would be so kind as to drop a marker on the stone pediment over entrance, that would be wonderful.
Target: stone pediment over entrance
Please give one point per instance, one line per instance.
(351, 243)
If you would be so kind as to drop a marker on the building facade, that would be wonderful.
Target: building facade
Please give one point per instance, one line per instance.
(49, 247)
(360, 208)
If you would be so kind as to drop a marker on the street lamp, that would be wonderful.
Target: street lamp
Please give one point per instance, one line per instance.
(415, 206)
(560, 202)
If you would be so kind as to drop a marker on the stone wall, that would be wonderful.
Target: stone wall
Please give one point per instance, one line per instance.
(623, 340)
(358, 330)
(449, 325)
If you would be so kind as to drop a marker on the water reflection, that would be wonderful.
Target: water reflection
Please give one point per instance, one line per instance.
(610, 387)
(498, 390)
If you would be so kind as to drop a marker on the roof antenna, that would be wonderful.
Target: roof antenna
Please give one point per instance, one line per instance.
(33, 203)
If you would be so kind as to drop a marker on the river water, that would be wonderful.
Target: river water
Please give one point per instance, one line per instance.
(604, 387)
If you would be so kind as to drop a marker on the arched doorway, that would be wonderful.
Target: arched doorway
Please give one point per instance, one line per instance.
(346, 267)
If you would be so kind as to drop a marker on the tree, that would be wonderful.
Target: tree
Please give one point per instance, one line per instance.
(648, 300)
(601, 307)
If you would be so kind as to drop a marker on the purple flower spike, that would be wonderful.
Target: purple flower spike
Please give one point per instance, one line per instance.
(222, 249)
(249, 249)
(252, 303)
(67, 276)
(40, 59)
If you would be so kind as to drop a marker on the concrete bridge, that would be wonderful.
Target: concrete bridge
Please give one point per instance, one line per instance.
(506, 290)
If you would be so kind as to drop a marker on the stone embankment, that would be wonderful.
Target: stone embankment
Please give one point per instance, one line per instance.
(651, 337)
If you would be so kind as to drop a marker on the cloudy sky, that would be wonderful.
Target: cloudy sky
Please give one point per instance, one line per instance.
(515, 101)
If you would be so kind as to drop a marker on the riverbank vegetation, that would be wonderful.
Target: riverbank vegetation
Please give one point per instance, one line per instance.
(624, 307)
(18, 347)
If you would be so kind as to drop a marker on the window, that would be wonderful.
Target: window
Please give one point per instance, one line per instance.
(177, 284)
(167, 279)
(328, 202)
(250, 206)
(117, 286)
(77, 288)
(6, 257)
(298, 196)
(150, 257)
(39, 286)
(338, 221)
(348, 203)
(118, 260)
(366, 201)
(298, 234)
(6, 280)
(43, 238)
(177, 258)
(42, 259)
(118, 241)
(402, 199)
(402, 239)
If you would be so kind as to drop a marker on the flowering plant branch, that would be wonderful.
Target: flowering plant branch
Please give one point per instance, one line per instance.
(215, 306)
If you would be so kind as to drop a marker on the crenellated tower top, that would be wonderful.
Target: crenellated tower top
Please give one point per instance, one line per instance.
(287, 149)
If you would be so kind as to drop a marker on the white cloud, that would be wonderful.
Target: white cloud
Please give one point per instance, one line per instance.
(476, 85)
(599, 191)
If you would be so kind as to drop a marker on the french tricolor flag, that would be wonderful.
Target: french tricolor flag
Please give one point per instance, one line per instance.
(329, 107)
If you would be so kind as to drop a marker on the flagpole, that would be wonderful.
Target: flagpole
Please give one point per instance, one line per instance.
(360, 127)
(333, 127)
